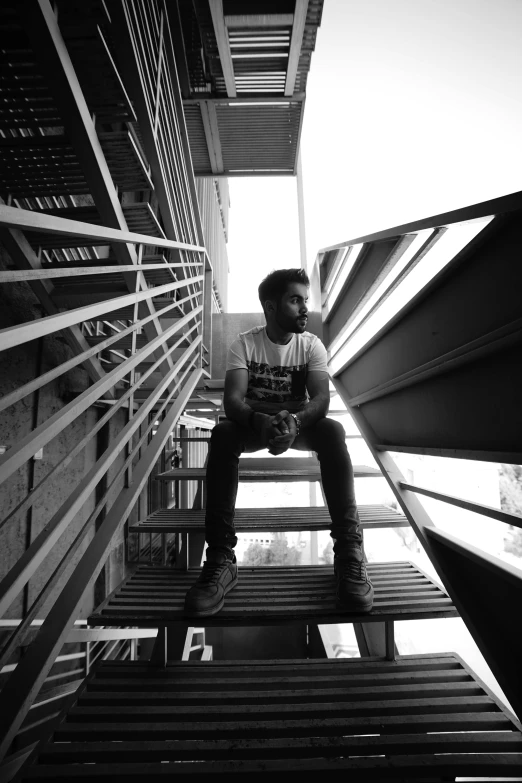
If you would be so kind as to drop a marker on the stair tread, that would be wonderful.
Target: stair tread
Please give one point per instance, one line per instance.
(270, 469)
(304, 728)
(296, 595)
(266, 519)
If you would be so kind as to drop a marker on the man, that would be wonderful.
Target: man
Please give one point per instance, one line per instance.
(277, 397)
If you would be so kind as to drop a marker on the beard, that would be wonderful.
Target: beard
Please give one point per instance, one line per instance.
(289, 324)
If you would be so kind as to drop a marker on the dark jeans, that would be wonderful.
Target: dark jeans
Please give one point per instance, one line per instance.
(229, 440)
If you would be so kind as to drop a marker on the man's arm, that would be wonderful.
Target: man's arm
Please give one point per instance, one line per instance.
(319, 404)
(236, 409)
(317, 408)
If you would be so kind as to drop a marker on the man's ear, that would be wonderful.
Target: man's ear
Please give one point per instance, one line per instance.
(270, 306)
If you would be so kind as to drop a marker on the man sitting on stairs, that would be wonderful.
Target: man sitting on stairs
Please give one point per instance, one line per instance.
(277, 397)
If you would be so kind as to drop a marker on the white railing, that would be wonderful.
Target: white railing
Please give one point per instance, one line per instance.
(423, 326)
(130, 454)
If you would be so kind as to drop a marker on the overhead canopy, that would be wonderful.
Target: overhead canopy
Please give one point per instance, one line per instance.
(243, 77)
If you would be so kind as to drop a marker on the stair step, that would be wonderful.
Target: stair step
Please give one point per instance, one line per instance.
(270, 469)
(268, 520)
(289, 595)
(370, 718)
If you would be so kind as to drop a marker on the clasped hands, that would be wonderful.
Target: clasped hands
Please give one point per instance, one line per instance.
(278, 432)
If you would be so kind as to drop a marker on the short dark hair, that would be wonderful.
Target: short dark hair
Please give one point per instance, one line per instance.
(275, 284)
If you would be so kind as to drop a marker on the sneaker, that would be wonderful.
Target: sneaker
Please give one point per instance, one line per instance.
(207, 596)
(354, 591)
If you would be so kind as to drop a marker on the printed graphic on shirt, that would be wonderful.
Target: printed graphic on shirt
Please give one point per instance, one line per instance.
(276, 384)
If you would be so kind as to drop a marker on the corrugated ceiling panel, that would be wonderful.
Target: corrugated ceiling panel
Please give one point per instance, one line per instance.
(259, 137)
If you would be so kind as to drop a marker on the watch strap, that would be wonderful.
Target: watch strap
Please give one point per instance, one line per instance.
(297, 422)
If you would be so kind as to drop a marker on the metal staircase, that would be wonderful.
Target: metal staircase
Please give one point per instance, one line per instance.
(109, 107)
(413, 717)
(419, 718)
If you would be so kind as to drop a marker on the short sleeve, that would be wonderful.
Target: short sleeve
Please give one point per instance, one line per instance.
(318, 360)
(236, 356)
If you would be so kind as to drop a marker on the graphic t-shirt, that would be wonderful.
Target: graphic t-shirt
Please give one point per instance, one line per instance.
(276, 373)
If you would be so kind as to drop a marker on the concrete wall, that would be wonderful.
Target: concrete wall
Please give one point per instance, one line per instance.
(225, 329)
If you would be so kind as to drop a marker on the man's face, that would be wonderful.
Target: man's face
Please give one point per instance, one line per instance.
(291, 313)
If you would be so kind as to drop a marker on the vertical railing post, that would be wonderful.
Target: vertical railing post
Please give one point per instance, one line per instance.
(207, 312)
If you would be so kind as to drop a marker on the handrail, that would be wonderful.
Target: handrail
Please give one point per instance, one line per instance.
(81, 271)
(25, 682)
(162, 395)
(43, 543)
(110, 634)
(79, 633)
(496, 206)
(424, 352)
(26, 447)
(37, 383)
(17, 335)
(467, 505)
(154, 346)
(31, 220)
(59, 659)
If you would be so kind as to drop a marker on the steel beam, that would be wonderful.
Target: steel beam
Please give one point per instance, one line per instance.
(296, 42)
(211, 128)
(488, 594)
(445, 372)
(225, 57)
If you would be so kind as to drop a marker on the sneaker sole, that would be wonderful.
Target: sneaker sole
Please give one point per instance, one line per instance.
(359, 607)
(213, 609)
(359, 604)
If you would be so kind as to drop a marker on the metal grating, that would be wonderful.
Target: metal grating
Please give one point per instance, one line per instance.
(270, 469)
(35, 166)
(351, 719)
(260, 59)
(268, 520)
(262, 137)
(126, 163)
(272, 595)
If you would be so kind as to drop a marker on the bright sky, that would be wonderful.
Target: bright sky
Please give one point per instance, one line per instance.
(413, 108)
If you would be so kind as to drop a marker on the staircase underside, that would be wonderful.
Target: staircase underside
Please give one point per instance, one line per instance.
(418, 718)
(269, 520)
(289, 595)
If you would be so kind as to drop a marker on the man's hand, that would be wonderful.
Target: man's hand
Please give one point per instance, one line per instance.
(285, 424)
(266, 429)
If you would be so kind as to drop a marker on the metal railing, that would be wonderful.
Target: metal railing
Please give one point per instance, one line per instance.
(146, 50)
(130, 454)
(423, 327)
(99, 644)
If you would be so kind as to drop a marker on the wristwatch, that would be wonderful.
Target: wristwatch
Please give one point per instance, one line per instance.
(297, 422)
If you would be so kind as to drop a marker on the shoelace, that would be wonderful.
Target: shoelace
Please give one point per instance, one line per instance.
(211, 572)
(352, 569)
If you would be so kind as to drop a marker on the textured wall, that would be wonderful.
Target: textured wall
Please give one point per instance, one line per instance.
(225, 329)
(18, 366)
